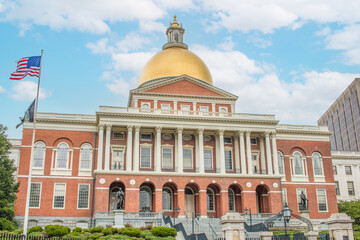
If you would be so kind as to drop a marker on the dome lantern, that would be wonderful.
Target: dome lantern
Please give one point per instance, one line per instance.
(175, 35)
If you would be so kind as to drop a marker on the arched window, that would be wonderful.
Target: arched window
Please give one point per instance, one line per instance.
(85, 156)
(167, 199)
(231, 196)
(39, 155)
(298, 164)
(210, 199)
(145, 199)
(317, 164)
(281, 162)
(62, 156)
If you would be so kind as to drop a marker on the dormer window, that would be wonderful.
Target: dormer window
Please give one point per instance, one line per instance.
(223, 109)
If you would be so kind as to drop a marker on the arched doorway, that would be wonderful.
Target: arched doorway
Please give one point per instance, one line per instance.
(213, 200)
(262, 199)
(146, 200)
(114, 187)
(191, 198)
(169, 199)
(235, 200)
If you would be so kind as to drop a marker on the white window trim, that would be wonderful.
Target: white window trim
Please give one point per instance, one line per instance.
(147, 146)
(296, 177)
(256, 141)
(165, 105)
(172, 200)
(148, 140)
(318, 178)
(283, 162)
(223, 108)
(39, 170)
(231, 141)
(234, 198)
(113, 136)
(192, 157)
(143, 103)
(151, 197)
(77, 204)
(232, 158)
(117, 148)
(85, 172)
(172, 156)
(62, 171)
(284, 192)
(39, 196)
(317, 200)
(212, 157)
(214, 206)
(257, 154)
(54, 196)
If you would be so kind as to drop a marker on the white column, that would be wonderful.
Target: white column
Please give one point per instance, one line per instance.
(233, 107)
(135, 102)
(213, 106)
(344, 193)
(180, 150)
(268, 154)
(155, 104)
(242, 152)
(100, 148)
(175, 105)
(222, 152)
(194, 107)
(262, 155)
(129, 149)
(201, 150)
(107, 147)
(136, 148)
(275, 156)
(237, 155)
(158, 150)
(248, 153)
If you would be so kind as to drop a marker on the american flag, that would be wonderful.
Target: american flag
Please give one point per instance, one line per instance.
(27, 66)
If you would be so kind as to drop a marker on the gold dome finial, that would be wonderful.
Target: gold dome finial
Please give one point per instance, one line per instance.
(175, 23)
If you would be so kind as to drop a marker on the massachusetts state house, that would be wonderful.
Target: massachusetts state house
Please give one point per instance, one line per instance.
(178, 148)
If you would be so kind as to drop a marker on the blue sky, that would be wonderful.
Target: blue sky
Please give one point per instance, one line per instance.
(288, 58)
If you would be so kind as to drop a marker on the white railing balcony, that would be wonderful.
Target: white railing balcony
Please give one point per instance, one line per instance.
(110, 109)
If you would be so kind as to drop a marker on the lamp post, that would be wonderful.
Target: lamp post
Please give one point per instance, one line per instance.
(286, 212)
(246, 212)
(178, 211)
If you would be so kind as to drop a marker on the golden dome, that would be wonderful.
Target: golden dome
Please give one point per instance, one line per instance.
(175, 61)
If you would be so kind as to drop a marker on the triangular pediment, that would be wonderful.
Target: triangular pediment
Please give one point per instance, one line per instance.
(184, 85)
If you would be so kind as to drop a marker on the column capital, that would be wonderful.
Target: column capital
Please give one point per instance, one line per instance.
(220, 132)
(130, 127)
(101, 127)
(200, 130)
(248, 133)
(108, 126)
(137, 128)
(179, 130)
(158, 129)
(273, 135)
(240, 133)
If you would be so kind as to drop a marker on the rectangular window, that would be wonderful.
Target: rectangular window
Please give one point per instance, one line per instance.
(117, 159)
(284, 196)
(351, 189)
(337, 189)
(255, 163)
(85, 158)
(204, 108)
(145, 157)
(253, 141)
(188, 158)
(35, 191)
(227, 140)
(59, 195)
(167, 160)
(228, 160)
(83, 196)
(185, 107)
(321, 198)
(348, 170)
(334, 170)
(165, 106)
(208, 160)
(118, 135)
(146, 137)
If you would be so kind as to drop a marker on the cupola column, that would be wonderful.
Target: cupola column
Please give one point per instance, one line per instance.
(107, 147)
(129, 148)
(248, 153)
(158, 150)
(275, 156)
(242, 152)
(136, 148)
(180, 150)
(100, 148)
(268, 154)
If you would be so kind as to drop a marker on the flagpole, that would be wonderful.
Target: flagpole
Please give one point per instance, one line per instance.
(26, 216)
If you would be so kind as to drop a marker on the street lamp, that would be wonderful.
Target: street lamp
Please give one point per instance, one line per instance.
(286, 212)
(246, 212)
(193, 220)
(178, 211)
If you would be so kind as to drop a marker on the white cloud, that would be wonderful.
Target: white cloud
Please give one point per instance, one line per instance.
(82, 15)
(348, 40)
(119, 86)
(101, 46)
(133, 61)
(259, 41)
(26, 91)
(2, 89)
(227, 45)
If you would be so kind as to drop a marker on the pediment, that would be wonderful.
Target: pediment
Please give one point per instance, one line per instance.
(184, 85)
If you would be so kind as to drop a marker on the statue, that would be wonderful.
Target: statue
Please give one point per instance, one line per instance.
(303, 201)
(120, 199)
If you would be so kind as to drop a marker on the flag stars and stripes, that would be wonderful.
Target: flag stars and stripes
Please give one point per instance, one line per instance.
(27, 66)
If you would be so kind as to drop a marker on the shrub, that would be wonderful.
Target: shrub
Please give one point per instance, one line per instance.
(130, 231)
(56, 230)
(35, 229)
(77, 229)
(36, 234)
(18, 231)
(96, 229)
(95, 236)
(108, 231)
(6, 225)
(149, 227)
(163, 232)
(128, 225)
(86, 230)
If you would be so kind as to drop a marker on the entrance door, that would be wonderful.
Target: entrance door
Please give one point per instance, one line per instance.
(189, 203)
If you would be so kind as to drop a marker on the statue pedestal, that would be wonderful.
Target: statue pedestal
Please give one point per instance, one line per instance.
(119, 218)
(305, 213)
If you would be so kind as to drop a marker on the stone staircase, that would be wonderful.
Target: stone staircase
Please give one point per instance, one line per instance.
(210, 226)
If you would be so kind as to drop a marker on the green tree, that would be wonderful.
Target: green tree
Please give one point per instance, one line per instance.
(352, 208)
(8, 185)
